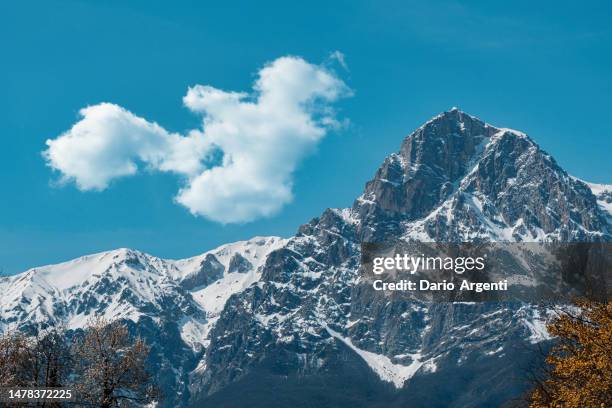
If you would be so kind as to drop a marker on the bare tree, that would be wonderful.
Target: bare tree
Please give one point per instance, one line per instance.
(14, 360)
(41, 361)
(110, 366)
(54, 358)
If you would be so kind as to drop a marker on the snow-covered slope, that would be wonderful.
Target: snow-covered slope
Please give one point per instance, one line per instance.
(241, 263)
(603, 192)
(172, 303)
(128, 284)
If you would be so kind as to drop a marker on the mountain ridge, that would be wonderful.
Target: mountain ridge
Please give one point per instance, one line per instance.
(60, 279)
(295, 309)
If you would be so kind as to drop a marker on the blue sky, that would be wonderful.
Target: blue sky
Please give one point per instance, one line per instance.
(545, 70)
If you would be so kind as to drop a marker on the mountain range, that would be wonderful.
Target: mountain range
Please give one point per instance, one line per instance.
(281, 322)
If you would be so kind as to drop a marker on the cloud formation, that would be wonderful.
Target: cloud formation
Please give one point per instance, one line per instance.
(238, 166)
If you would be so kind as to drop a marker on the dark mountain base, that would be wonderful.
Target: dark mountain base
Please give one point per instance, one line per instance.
(347, 382)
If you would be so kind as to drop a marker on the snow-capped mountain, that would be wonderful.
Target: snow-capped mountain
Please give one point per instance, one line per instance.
(311, 320)
(175, 300)
(291, 315)
(128, 284)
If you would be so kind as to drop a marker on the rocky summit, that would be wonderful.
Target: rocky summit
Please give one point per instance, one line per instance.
(274, 322)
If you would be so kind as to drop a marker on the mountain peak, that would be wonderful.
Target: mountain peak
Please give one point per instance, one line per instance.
(454, 114)
(456, 170)
(463, 120)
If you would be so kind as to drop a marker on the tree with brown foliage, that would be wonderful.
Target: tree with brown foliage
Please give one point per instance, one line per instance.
(579, 372)
(110, 366)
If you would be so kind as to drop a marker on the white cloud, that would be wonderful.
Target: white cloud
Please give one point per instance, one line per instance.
(262, 137)
(338, 56)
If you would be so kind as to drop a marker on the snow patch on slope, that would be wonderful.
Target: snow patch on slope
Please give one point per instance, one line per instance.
(603, 193)
(213, 297)
(396, 374)
(536, 324)
(254, 250)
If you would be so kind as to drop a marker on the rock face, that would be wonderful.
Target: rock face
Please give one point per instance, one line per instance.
(455, 179)
(210, 270)
(459, 179)
(272, 322)
(240, 264)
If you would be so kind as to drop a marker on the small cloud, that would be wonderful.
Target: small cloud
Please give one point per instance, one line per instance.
(238, 166)
(339, 56)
